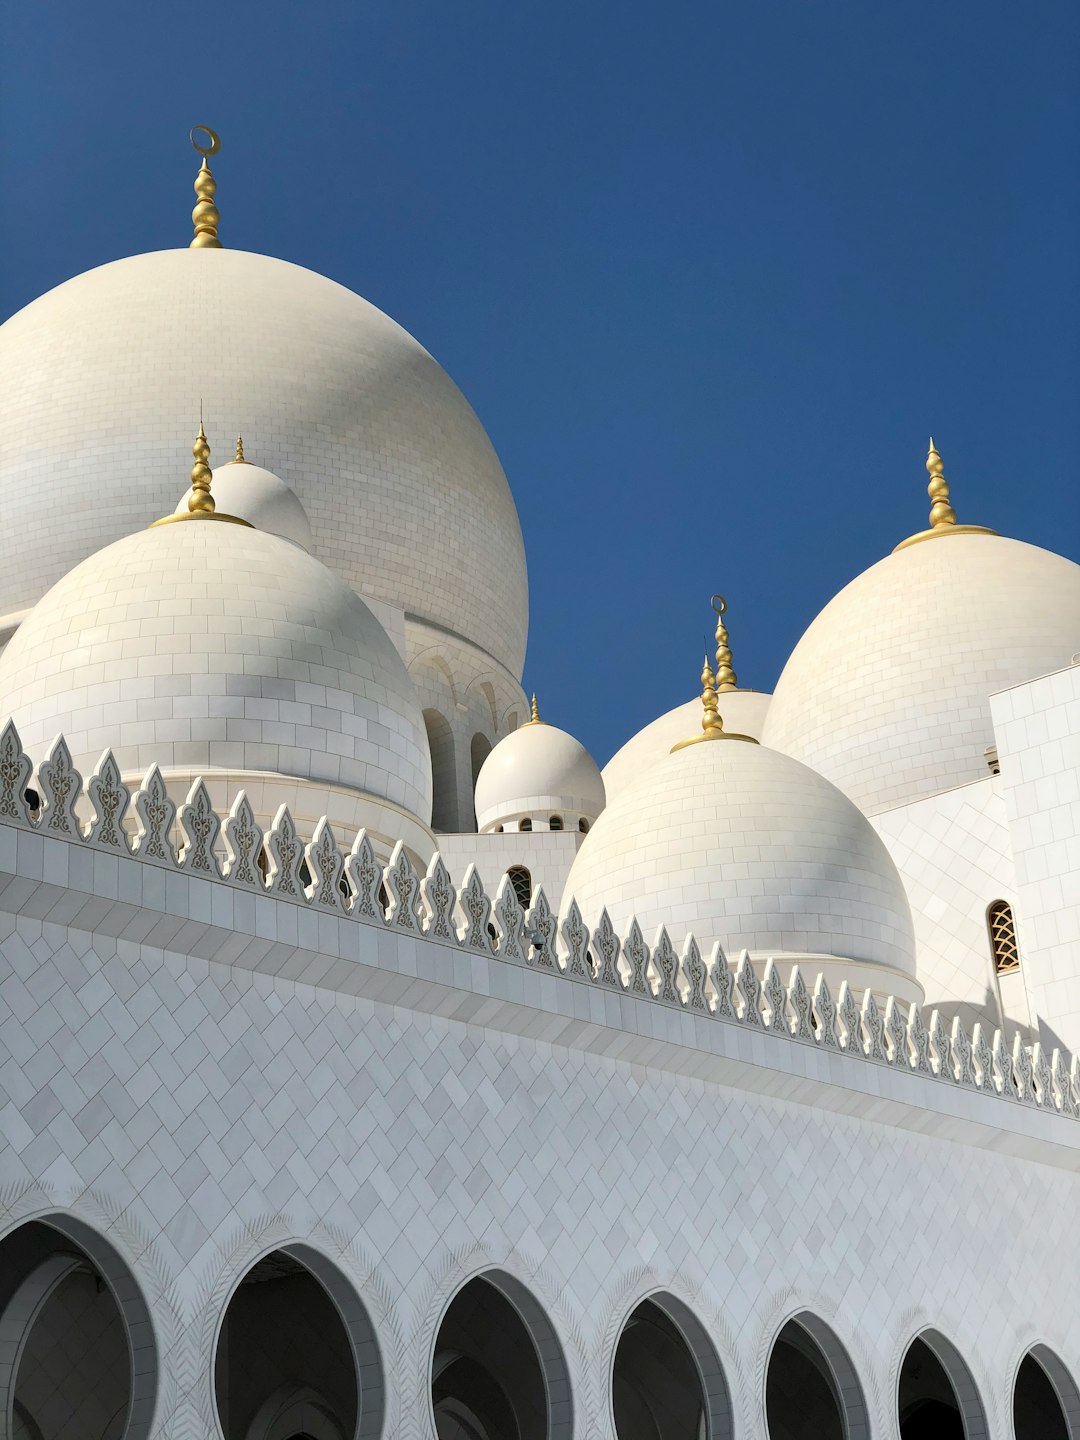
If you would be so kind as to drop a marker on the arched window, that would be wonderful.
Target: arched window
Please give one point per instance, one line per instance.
(76, 1343)
(583, 825)
(936, 1395)
(522, 883)
(443, 771)
(666, 1382)
(811, 1389)
(526, 825)
(999, 920)
(555, 823)
(1046, 1402)
(498, 1372)
(294, 1342)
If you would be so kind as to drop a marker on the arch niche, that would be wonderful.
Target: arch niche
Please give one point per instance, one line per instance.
(1046, 1402)
(296, 1354)
(77, 1353)
(444, 799)
(666, 1381)
(936, 1393)
(498, 1371)
(811, 1389)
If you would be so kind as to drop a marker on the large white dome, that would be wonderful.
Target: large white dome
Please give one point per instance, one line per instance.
(887, 692)
(744, 713)
(103, 376)
(741, 844)
(212, 649)
(536, 772)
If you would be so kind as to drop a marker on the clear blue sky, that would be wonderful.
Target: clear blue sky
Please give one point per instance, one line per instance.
(710, 273)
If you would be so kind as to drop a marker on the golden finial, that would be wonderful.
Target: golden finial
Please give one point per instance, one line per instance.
(726, 678)
(712, 727)
(238, 459)
(942, 514)
(534, 718)
(205, 215)
(200, 503)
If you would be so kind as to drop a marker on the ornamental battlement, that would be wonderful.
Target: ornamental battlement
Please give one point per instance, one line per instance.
(145, 825)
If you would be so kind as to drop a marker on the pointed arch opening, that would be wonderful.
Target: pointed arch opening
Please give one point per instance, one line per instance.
(443, 771)
(811, 1389)
(666, 1381)
(498, 1371)
(296, 1354)
(77, 1351)
(936, 1393)
(1046, 1402)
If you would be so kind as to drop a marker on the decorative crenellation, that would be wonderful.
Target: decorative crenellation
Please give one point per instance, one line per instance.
(146, 826)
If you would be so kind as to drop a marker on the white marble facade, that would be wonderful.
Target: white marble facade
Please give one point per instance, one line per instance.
(730, 1093)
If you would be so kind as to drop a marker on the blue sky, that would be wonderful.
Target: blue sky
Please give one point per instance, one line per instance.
(709, 273)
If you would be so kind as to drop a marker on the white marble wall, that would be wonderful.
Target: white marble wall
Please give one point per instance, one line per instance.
(205, 1075)
(1037, 727)
(954, 855)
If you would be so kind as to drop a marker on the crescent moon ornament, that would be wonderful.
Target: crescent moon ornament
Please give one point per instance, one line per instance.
(718, 604)
(215, 140)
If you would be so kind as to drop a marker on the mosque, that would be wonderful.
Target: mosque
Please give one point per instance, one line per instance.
(372, 1062)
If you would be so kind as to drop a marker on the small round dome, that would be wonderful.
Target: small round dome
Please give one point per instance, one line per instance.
(887, 693)
(743, 712)
(536, 773)
(212, 649)
(260, 498)
(745, 846)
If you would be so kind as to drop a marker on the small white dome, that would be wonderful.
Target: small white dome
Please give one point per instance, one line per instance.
(740, 844)
(887, 693)
(260, 498)
(212, 649)
(536, 772)
(742, 711)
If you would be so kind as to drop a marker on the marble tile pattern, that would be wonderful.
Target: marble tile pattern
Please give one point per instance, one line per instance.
(208, 646)
(204, 1072)
(887, 692)
(1038, 735)
(954, 854)
(404, 492)
(742, 711)
(742, 844)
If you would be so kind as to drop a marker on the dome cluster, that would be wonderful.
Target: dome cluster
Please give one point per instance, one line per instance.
(345, 632)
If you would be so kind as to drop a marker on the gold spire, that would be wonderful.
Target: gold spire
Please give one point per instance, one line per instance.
(239, 457)
(942, 514)
(205, 215)
(534, 718)
(200, 503)
(726, 678)
(712, 727)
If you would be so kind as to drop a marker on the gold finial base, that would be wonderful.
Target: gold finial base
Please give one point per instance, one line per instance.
(942, 515)
(937, 531)
(201, 515)
(713, 735)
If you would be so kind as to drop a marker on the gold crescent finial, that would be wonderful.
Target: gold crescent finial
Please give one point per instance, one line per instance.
(942, 514)
(205, 215)
(239, 457)
(726, 679)
(534, 717)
